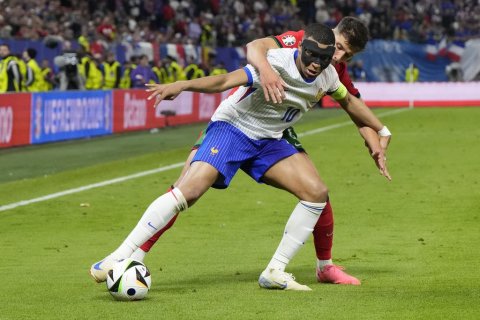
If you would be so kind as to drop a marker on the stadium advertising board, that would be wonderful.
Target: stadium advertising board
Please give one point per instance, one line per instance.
(69, 115)
(189, 107)
(207, 104)
(14, 119)
(418, 94)
(134, 112)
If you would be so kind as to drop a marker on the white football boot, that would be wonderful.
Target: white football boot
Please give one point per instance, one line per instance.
(99, 270)
(276, 279)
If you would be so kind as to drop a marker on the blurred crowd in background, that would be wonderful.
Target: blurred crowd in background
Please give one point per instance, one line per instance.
(98, 25)
(230, 22)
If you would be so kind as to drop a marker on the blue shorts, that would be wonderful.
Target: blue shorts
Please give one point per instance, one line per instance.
(228, 149)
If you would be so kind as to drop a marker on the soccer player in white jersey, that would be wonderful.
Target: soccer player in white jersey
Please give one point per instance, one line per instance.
(246, 133)
(351, 36)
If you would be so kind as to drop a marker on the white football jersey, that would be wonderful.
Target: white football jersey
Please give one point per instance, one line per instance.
(247, 110)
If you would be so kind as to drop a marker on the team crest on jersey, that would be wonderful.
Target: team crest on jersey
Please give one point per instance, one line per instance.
(213, 151)
(289, 40)
(320, 95)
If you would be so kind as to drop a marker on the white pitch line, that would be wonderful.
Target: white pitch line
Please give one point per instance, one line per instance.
(89, 186)
(153, 171)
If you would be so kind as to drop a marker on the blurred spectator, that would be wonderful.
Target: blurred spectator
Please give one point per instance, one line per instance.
(218, 68)
(454, 72)
(34, 80)
(10, 78)
(69, 77)
(143, 73)
(193, 71)
(48, 76)
(128, 67)
(112, 72)
(161, 71)
(89, 68)
(357, 71)
(107, 29)
(174, 70)
(22, 67)
(412, 73)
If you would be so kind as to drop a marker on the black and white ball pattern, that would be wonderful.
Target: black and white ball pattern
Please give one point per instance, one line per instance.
(129, 280)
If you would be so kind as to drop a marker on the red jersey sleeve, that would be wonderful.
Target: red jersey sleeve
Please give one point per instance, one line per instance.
(345, 78)
(289, 39)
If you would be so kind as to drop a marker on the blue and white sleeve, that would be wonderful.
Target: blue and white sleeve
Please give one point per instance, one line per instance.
(253, 76)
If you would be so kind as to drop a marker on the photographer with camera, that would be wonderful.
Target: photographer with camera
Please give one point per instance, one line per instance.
(69, 77)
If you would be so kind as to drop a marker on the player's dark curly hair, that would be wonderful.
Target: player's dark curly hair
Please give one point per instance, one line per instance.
(320, 33)
(355, 32)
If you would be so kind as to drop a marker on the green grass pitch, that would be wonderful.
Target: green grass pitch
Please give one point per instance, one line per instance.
(414, 242)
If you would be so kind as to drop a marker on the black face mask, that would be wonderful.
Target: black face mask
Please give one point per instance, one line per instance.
(311, 53)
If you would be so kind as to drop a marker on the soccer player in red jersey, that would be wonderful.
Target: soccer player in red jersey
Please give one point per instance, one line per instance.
(351, 36)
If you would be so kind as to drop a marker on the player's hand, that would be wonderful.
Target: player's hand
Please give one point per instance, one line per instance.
(381, 163)
(384, 142)
(163, 91)
(273, 85)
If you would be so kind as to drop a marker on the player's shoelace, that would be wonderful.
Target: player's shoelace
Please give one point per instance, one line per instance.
(338, 267)
(288, 276)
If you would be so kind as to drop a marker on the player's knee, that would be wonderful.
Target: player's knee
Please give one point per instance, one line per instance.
(192, 195)
(321, 193)
(316, 192)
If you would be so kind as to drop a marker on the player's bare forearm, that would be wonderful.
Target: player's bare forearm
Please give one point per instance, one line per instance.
(211, 84)
(272, 84)
(360, 113)
(369, 127)
(371, 139)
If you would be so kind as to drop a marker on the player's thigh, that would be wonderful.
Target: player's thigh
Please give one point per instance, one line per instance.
(195, 147)
(186, 166)
(197, 180)
(297, 175)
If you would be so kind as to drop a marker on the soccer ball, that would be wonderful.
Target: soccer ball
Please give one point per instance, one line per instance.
(129, 280)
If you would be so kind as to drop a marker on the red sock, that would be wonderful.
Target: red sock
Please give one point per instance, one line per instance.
(323, 234)
(150, 242)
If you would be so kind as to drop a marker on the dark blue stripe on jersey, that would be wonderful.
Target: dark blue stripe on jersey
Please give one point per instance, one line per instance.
(249, 76)
(247, 93)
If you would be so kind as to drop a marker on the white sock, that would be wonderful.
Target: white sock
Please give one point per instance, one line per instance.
(157, 215)
(138, 255)
(299, 227)
(322, 263)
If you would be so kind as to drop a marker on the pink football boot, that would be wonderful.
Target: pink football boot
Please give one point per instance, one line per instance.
(334, 274)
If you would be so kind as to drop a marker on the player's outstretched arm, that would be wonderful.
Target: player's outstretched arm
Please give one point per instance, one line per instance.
(272, 84)
(363, 116)
(360, 113)
(210, 84)
(375, 134)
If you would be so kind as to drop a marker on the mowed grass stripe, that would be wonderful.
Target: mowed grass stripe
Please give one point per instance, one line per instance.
(157, 170)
